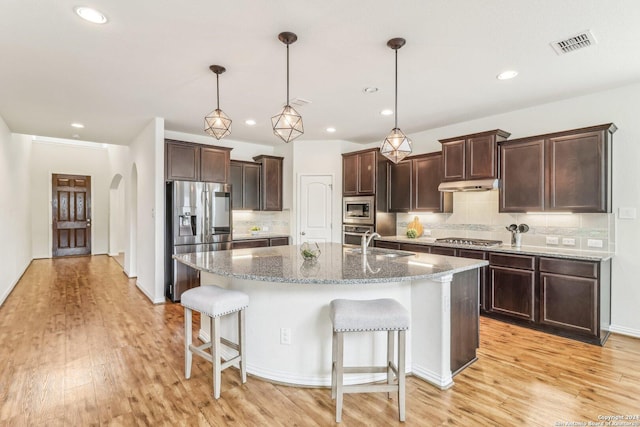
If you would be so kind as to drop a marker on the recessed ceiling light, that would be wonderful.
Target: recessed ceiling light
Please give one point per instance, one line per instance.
(370, 89)
(91, 15)
(250, 122)
(386, 112)
(506, 75)
(331, 129)
(77, 125)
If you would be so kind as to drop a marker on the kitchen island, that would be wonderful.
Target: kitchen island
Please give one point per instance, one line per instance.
(288, 326)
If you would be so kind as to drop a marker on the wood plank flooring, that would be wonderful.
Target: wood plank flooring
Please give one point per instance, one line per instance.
(81, 345)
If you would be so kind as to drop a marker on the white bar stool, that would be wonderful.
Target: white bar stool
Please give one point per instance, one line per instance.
(364, 316)
(214, 302)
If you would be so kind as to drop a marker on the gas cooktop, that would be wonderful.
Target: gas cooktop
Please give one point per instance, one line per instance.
(470, 242)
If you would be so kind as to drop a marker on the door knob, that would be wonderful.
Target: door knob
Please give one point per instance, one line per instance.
(303, 233)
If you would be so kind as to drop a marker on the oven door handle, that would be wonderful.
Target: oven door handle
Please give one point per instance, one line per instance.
(353, 234)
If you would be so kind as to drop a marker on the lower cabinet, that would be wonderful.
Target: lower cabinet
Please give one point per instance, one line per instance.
(279, 241)
(512, 285)
(386, 245)
(484, 273)
(465, 326)
(260, 243)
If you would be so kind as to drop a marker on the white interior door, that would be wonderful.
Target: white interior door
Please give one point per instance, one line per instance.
(315, 195)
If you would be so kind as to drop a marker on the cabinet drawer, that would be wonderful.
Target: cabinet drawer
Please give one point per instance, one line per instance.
(279, 241)
(466, 253)
(254, 243)
(514, 261)
(443, 251)
(569, 267)
(412, 247)
(386, 245)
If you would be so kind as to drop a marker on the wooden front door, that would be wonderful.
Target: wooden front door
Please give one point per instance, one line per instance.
(71, 211)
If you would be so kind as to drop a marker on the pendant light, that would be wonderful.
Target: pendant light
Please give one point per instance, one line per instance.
(217, 123)
(396, 146)
(288, 124)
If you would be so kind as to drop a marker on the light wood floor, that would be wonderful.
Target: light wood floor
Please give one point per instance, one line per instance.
(81, 345)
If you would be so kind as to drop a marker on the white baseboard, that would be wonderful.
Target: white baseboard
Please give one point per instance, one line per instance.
(113, 254)
(431, 377)
(153, 300)
(13, 284)
(623, 330)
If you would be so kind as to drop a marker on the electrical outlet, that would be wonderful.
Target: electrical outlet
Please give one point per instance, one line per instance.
(265, 228)
(568, 241)
(285, 336)
(552, 240)
(426, 232)
(594, 243)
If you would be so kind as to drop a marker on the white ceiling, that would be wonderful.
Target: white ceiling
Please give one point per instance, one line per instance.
(152, 60)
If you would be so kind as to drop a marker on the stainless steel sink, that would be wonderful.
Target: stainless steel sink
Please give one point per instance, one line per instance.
(387, 253)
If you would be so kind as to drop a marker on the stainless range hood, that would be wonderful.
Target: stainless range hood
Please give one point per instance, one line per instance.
(473, 185)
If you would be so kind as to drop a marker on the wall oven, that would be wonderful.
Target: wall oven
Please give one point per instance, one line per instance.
(358, 210)
(352, 234)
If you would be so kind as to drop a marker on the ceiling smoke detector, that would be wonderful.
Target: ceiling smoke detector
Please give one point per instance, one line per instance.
(573, 43)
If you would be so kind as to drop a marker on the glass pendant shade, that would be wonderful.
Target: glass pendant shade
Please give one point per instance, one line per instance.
(288, 124)
(217, 124)
(396, 146)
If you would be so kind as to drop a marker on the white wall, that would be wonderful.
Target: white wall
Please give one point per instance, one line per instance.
(15, 209)
(619, 106)
(49, 157)
(147, 154)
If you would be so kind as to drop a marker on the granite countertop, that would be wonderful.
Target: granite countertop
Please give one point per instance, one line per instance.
(336, 265)
(576, 254)
(259, 235)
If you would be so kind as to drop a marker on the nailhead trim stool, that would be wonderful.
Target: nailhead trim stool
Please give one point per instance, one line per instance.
(364, 316)
(214, 302)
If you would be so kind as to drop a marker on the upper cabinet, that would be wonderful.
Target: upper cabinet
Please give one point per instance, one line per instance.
(359, 173)
(245, 185)
(186, 161)
(471, 156)
(413, 185)
(270, 182)
(567, 171)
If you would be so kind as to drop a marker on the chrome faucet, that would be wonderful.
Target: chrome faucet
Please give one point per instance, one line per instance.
(366, 241)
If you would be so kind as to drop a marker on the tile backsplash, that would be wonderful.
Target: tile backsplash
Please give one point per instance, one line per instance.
(475, 215)
(273, 222)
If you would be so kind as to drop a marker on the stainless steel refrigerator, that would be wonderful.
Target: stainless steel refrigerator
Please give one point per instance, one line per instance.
(198, 219)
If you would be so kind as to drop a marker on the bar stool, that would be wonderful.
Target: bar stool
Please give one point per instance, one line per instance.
(363, 316)
(214, 302)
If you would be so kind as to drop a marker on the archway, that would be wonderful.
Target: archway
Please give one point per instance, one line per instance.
(117, 219)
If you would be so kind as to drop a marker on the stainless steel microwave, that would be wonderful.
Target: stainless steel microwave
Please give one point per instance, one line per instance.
(358, 210)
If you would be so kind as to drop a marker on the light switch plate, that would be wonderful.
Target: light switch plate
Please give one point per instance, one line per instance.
(426, 233)
(566, 241)
(552, 240)
(627, 213)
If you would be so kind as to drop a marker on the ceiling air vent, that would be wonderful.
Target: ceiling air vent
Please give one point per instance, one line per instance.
(300, 102)
(579, 41)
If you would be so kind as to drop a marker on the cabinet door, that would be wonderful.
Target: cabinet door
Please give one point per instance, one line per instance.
(350, 175)
(214, 165)
(484, 287)
(439, 250)
(386, 245)
(412, 247)
(522, 174)
(427, 175)
(271, 182)
(251, 186)
(512, 292)
(237, 185)
(453, 160)
(279, 241)
(399, 185)
(254, 243)
(576, 173)
(183, 162)
(569, 302)
(367, 173)
(481, 154)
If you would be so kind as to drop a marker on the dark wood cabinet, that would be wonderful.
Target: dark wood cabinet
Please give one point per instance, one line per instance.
(522, 170)
(578, 171)
(569, 295)
(252, 243)
(472, 156)
(359, 173)
(484, 274)
(182, 161)
(270, 182)
(245, 185)
(465, 322)
(411, 247)
(186, 161)
(278, 241)
(400, 186)
(427, 175)
(564, 171)
(386, 245)
(512, 285)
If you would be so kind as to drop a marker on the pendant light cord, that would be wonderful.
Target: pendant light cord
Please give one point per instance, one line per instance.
(217, 91)
(287, 74)
(396, 106)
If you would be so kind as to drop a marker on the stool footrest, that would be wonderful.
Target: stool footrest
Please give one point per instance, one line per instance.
(367, 388)
(229, 344)
(367, 369)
